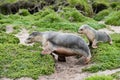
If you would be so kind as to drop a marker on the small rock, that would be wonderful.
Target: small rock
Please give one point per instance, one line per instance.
(9, 29)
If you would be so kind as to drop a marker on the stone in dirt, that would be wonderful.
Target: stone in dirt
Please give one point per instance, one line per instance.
(9, 29)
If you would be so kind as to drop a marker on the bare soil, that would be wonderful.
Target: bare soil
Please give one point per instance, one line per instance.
(68, 70)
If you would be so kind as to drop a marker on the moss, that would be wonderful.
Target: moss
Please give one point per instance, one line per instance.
(23, 12)
(1, 16)
(2, 28)
(99, 5)
(105, 56)
(117, 8)
(6, 21)
(95, 25)
(84, 5)
(102, 14)
(24, 61)
(8, 39)
(66, 26)
(112, 19)
(116, 75)
(52, 17)
(8, 1)
(114, 4)
(73, 15)
(47, 19)
(44, 12)
(99, 77)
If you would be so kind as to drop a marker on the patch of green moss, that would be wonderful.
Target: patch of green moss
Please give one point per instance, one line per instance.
(69, 19)
(95, 25)
(1, 16)
(99, 77)
(66, 26)
(9, 19)
(2, 28)
(116, 75)
(9, 1)
(73, 15)
(106, 56)
(24, 61)
(84, 5)
(43, 13)
(6, 21)
(113, 18)
(8, 39)
(114, 4)
(23, 12)
(99, 5)
(117, 8)
(102, 14)
(52, 18)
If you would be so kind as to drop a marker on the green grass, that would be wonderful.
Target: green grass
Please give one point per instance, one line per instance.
(102, 14)
(83, 4)
(2, 28)
(99, 77)
(73, 15)
(24, 12)
(22, 61)
(25, 61)
(95, 25)
(113, 18)
(19, 61)
(73, 27)
(114, 5)
(52, 18)
(106, 56)
(7, 1)
(47, 19)
(8, 39)
(116, 75)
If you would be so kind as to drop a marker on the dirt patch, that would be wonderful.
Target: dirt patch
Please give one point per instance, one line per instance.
(66, 70)
(110, 28)
(70, 71)
(116, 29)
(23, 35)
(5, 78)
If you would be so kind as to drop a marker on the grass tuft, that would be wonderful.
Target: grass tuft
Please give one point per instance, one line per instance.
(8, 39)
(116, 75)
(99, 77)
(73, 15)
(102, 14)
(113, 18)
(23, 12)
(19, 61)
(52, 18)
(83, 4)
